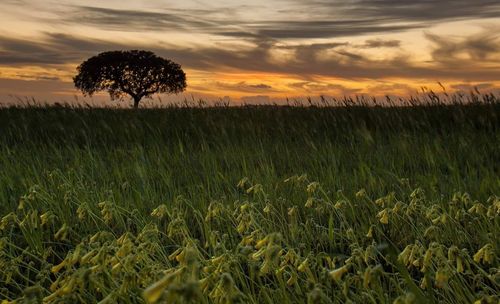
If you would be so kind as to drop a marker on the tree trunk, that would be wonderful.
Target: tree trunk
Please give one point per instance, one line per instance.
(136, 102)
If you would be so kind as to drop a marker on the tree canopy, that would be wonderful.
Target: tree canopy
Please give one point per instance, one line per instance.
(135, 73)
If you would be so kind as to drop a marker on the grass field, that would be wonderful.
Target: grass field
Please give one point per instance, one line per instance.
(250, 204)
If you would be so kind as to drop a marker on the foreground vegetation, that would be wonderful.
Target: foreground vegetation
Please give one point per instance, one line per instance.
(211, 205)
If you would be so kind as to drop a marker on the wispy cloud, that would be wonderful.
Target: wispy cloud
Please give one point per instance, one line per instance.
(315, 18)
(480, 47)
(245, 87)
(402, 10)
(342, 60)
(134, 20)
(315, 87)
(381, 43)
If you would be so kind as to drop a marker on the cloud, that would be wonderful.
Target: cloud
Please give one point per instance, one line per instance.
(319, 19)
(137, 20)
(199, 21)
(307, 61)
(276, 37)
(307, 53)
(325, 29)
(300, 19)
(351, 56)
(14, 2)
(381, 43)
(482, 87)
(245, 87)
(37, 77)
(330, 19)
(482, 46)
(260, 86)
(318, 87)
(53, 48)
(402, 89)
(402, 10)
(42, 88)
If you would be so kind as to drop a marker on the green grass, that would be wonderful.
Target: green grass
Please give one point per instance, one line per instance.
(197, 204)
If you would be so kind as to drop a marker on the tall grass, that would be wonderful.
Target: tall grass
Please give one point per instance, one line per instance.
(336, 204)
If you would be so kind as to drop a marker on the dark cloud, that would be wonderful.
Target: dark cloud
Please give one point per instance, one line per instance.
(401, 10)
(326, 29)
(18, 51)
(135, 20)
(477, 47)
(329, 19)
(319, 18)
(200, 21)
(340, 60)
(307, 53)
(351, 56)
(237, 34)
(53, 48)
(427, 10)
(260, 86)
(380, 43)
(245, 87)
(314, 46)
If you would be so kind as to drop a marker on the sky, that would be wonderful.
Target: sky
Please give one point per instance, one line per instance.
(258, 51)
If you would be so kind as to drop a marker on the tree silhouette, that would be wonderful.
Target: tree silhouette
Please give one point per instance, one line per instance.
(135, 73)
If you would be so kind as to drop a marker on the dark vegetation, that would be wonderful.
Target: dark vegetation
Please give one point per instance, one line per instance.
(197, 204)
(449, 147)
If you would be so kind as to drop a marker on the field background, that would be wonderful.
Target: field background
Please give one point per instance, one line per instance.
(61, 158)
(203, 153)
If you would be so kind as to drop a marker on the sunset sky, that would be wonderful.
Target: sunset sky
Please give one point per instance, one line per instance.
(258, 50)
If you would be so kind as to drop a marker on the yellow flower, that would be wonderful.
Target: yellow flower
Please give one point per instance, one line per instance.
(174, 254)
(267, 209)
(181, 257)
(160, 211)
(384, 216)
(153, 293)
(247, 240)
(303, 267)
(361, 194)
(57, 268)
(47, 218)
(404, 256)
(241, 184)
(338, 273)
(312, 187)
(309, 203)
(370, 232)
(262, 243)
(485, 254)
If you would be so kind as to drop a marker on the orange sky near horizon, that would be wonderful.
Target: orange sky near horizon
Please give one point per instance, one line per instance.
(259, 52)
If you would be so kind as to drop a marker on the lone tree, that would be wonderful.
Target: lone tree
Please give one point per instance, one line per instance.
(135, 73)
